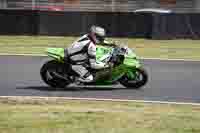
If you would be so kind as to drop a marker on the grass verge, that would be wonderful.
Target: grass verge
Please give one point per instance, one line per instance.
(171, 49)
(74, 116)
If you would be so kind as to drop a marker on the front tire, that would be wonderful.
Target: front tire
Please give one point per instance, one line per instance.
(46, 74)
(140, 80)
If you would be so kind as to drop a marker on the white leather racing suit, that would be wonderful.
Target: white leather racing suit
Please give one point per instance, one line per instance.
(83, 51)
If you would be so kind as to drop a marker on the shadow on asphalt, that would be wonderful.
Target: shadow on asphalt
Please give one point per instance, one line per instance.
(46, 88)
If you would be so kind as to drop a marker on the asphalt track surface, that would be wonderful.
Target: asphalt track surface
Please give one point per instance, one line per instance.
(172, 81)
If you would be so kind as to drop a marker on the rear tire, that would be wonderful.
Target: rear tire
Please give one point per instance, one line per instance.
(47, 76)
(137, 84)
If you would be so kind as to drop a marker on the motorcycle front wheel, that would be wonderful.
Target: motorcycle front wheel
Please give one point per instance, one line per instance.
(140, 80)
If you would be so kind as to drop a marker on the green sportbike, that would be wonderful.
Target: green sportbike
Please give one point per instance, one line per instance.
(124, 68)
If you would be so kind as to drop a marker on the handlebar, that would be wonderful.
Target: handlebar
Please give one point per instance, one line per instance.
(119, 51)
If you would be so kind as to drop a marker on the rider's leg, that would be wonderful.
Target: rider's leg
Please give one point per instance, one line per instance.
(85, 75)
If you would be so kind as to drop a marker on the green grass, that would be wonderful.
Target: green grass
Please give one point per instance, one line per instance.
(172, 49)
(42, 116)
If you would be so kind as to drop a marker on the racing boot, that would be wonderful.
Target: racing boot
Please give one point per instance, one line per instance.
(87, 78)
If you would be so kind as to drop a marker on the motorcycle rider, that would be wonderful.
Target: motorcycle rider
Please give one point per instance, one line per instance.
(83, 52)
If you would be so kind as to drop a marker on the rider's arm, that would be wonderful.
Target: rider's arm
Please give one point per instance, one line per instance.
(107, 43)
(92, 58)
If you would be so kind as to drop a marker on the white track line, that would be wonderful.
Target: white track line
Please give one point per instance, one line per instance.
(43, 55)
(96, 99)
(166, 59)
(7, 54)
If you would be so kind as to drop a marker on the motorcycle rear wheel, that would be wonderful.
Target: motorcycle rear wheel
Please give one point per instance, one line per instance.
(47, 74)
(141, 79)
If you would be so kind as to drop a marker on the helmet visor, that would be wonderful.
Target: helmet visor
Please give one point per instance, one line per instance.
(100, 38)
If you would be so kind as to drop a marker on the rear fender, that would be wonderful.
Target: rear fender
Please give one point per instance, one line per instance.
(56, 53)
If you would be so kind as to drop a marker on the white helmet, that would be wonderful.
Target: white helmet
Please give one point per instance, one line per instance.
(98, 34)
